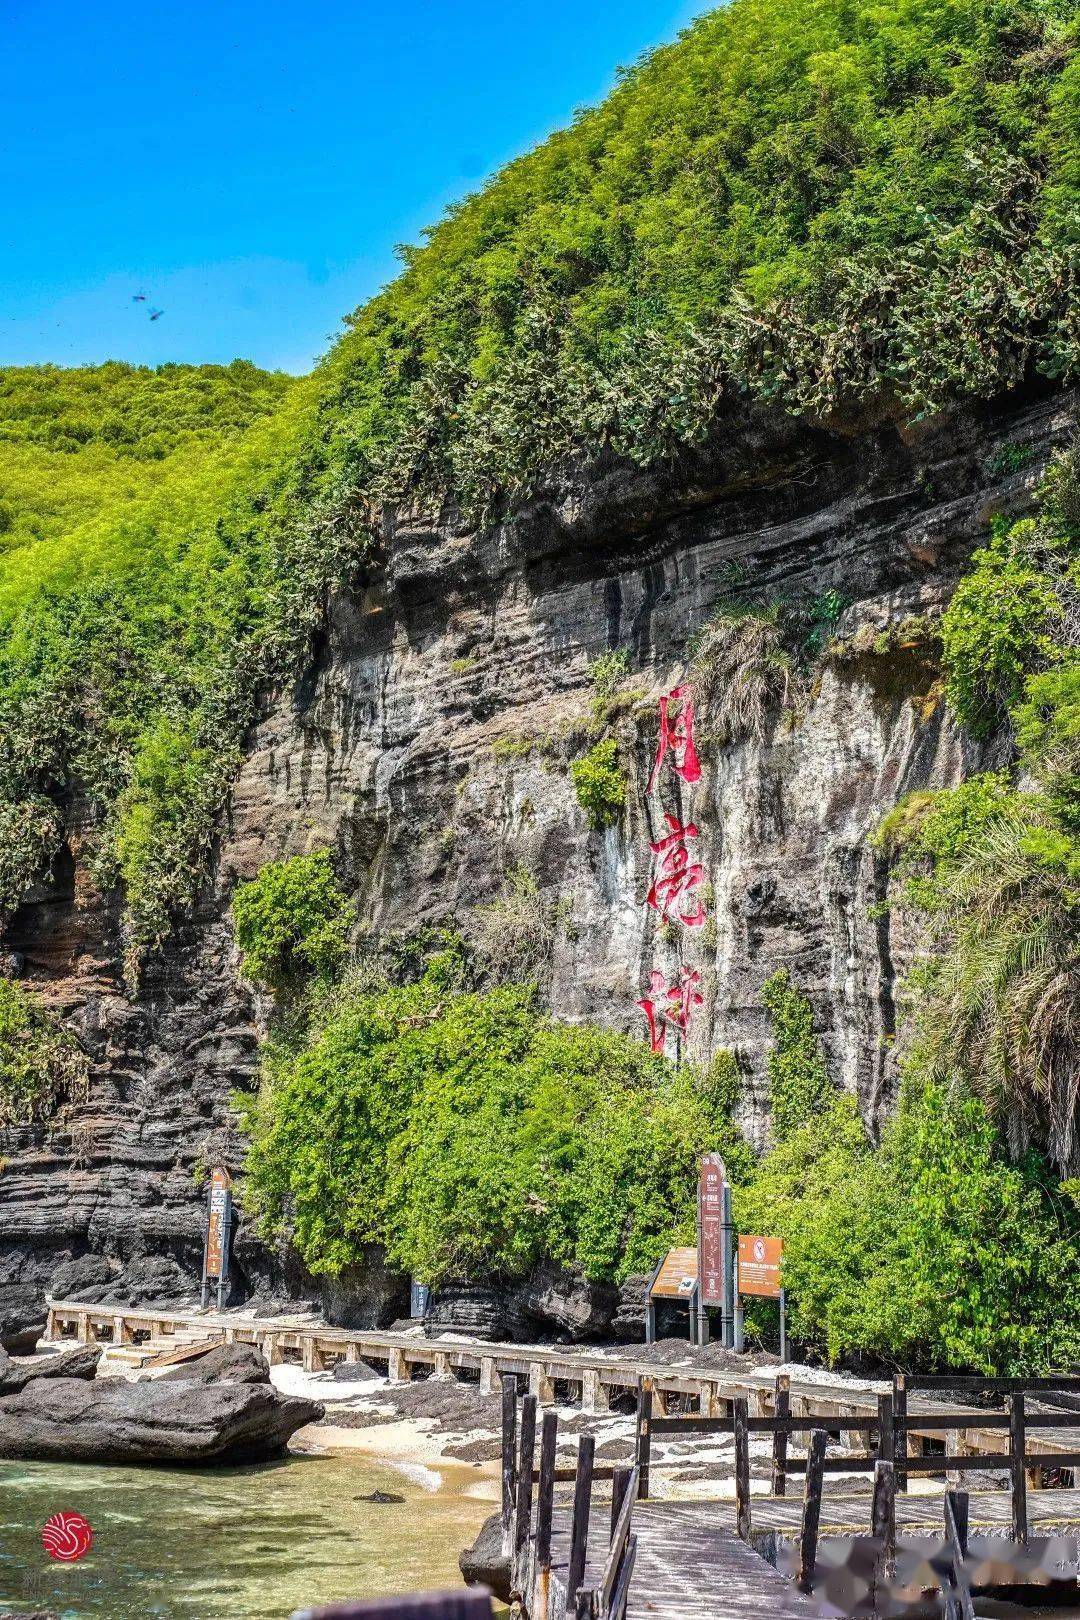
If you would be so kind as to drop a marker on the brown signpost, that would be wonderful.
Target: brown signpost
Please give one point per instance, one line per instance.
(711, 1208)
(759, 1266)
(218, 1233)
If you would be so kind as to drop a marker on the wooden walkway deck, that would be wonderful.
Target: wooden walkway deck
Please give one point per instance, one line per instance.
(690, 1565)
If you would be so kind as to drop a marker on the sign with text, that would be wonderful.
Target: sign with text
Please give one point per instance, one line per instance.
(711, 1229)
(677, 1277)
(759, 1266)
(220, 1220)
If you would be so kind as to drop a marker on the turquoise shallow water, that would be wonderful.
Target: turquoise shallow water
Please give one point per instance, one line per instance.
(186, 1544)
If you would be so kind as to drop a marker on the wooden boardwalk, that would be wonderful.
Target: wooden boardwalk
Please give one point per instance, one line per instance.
(690, 1565)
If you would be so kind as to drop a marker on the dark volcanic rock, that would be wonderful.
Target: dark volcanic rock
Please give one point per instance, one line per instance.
(480, 1309)
(225, 1364)
(79, 1362)
(485, 1563)
(364, 1296)
(22, 1316)
(84, 1278)
(114, 1421)
(566, 1302)
(628, 1321)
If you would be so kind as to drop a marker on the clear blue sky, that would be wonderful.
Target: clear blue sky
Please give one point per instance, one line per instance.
(251, 166)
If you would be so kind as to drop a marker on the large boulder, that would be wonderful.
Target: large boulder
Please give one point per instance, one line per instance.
(81, 1361)
(485, 1563)
(564, 1301)
(114, 1421)
(22, 1316)
(224, 1364)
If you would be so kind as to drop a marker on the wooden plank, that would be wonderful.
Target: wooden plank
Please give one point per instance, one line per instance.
(579, 1534)
(523, 1500)
(1019, 1477)
(545, 1501)
(811, 1518)
(742, 1470)
(781, 1410)
(175, 1358)
(643, 1447)
(509, 1448)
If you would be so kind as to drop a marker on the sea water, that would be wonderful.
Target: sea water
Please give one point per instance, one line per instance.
(196, 1544)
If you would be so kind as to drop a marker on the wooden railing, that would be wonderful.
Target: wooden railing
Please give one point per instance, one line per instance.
(528, 1520)
(887, 1438)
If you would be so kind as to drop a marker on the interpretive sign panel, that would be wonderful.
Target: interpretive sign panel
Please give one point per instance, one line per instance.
(759, 1266)
(677, 1277)
(217, 1234)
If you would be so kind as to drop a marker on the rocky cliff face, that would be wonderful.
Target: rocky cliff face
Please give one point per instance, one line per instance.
(429, 742)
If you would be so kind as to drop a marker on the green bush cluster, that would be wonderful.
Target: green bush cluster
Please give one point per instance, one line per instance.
(932, 1250)
(599, 783)
(472, 1136)
(42, 1067)
(292, 920)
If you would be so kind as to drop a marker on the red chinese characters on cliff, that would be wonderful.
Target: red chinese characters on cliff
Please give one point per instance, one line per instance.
(670, 1004)
(676, 737)
(677, 876)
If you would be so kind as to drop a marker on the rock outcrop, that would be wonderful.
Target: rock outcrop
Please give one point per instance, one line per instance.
(115, 1421)
(423, 742)
(79, 1362)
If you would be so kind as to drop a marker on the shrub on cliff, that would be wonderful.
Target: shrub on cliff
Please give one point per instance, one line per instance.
(292, 920)
(599, 784)
(41, 1066)
(799, 1085)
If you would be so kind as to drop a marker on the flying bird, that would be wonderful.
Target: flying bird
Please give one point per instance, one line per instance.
(156, 314)
(138, 298)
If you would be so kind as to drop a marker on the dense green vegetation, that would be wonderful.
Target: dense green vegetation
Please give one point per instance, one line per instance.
(931, 1249)
(472, 1135)
(76, 441)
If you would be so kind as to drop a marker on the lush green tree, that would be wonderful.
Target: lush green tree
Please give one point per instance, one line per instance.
(799, 1086)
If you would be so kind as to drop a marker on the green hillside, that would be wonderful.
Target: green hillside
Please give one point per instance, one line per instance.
(76, 441)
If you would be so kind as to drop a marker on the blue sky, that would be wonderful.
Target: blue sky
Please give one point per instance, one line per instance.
(251, 166)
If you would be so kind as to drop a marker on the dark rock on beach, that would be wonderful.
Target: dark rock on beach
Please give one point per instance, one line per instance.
(79, 1362)
(225, 1364)
(485, 1563)
(114, 1421)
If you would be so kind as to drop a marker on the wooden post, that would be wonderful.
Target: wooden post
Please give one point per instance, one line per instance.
(959, 1505)
(811, 1516)
(742, 1469)
(883, 1518)
(886, 1436)
(900, 1435)
(545, 1501)
(509, 1442)
(644, 1437)
(488, 1375)
(523, 1511)
(583, 1606)
(579, 1530)
(620, 1479)
(781, 1409)
(1017, 1440)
